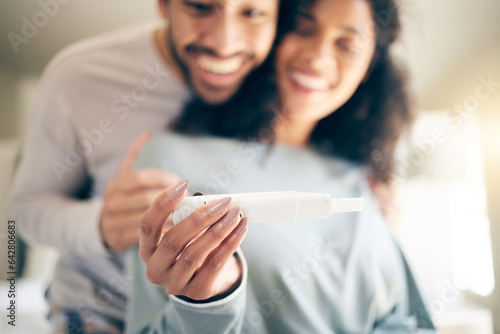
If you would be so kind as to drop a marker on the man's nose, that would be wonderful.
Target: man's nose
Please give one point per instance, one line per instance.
(225, 36)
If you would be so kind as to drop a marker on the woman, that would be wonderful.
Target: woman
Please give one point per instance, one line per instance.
(364, 129)
(342, 109)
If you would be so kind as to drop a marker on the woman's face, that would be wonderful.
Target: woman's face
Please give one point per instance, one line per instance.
(321, 63)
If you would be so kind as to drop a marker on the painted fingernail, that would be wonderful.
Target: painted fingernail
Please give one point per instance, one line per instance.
(178, 189)
(219, 206)
(240, 229)
(230, 217)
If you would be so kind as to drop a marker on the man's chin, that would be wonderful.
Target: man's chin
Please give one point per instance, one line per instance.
(216, 95)
(215, 98)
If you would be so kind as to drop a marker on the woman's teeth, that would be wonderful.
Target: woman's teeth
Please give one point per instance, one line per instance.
(220, 66)
(309, 82)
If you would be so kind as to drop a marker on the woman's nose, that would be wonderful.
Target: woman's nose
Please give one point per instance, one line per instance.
(321, 56)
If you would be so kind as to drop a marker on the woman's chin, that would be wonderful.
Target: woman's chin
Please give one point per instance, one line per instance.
(303, 109)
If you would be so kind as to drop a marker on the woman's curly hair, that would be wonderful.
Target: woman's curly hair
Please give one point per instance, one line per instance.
(365, 130)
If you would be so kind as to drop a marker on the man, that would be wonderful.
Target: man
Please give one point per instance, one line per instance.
(74, 190)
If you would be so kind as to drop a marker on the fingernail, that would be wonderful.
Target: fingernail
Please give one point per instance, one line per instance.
(230, 217)
(218, 206)
(240, 229)
(178, 189)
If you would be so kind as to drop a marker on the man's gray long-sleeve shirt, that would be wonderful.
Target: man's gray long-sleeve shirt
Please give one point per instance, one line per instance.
(94, 99)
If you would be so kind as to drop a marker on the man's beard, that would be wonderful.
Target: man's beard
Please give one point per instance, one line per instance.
(177, 59)
(194, 49)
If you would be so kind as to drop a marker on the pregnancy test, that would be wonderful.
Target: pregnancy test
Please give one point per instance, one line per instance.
(275, 207)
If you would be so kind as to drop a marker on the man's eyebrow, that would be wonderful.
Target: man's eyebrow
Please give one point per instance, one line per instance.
(204, 3)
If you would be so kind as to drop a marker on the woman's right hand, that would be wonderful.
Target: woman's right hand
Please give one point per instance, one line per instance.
(194, 258)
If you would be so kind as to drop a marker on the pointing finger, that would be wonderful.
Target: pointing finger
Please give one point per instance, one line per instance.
(132, 153)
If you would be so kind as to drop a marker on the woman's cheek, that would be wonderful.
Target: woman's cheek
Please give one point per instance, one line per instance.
(287, 51)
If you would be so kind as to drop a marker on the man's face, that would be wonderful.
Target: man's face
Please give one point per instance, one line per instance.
(217, 43)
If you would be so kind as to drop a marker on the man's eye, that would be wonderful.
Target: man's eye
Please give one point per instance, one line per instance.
(199, 7)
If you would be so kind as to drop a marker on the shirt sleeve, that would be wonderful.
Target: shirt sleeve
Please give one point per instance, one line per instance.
(152, 310)
(51, 172)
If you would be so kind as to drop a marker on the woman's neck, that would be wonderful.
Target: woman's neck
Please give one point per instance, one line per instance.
(294, 132)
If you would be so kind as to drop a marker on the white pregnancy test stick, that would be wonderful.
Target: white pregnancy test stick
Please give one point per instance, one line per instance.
(275, 207)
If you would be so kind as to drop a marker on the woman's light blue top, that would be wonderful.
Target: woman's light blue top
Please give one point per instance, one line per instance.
(342, 274)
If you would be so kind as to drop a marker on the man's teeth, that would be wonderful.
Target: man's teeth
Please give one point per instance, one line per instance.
(310, 82)
(220, 66)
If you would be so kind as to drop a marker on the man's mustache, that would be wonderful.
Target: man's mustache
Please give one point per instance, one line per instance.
(197, 49)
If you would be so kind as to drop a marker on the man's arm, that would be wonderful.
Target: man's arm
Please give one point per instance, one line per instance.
(48, 178)
(53, 169)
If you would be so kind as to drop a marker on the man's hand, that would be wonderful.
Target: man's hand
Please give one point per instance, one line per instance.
(127, 198)
(194, 258)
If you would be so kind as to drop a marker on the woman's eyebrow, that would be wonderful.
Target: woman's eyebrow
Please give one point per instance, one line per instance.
(306, 16)
(351, 30)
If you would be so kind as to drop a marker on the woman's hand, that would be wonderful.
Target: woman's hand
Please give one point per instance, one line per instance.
(194, 258)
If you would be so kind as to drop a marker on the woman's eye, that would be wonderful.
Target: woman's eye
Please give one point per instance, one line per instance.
(348, 48)
(253, 13)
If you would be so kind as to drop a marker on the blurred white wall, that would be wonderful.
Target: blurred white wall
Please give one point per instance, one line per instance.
(9, 106)
(452, 47)
(448, 43)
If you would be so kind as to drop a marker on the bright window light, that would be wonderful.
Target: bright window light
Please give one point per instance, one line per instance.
(445, 230)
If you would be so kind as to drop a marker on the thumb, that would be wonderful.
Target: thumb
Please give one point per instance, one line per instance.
(132, 153)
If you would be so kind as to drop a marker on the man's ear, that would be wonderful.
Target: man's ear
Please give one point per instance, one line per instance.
(163, 5)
